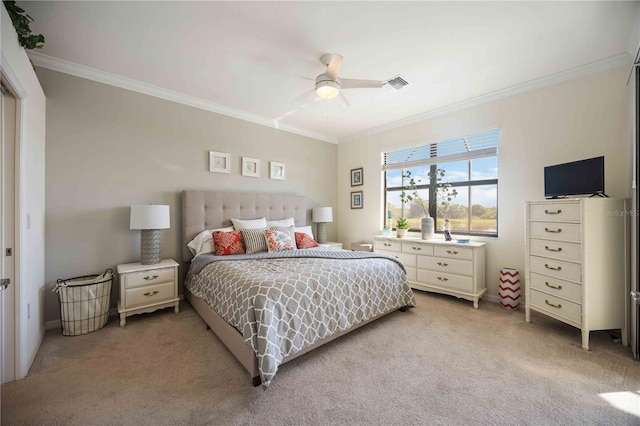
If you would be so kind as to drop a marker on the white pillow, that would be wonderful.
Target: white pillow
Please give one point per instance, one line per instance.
(306, 229)
(281, 222)
(240, 224)
(203, 242)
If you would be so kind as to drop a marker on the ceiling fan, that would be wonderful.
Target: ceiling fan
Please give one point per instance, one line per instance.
(329, 84)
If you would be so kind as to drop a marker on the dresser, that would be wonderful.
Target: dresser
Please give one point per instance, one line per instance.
(447, 267)
(146, 288)
(576, 264)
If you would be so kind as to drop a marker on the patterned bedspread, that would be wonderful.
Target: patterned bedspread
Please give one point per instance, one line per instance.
(283, 302)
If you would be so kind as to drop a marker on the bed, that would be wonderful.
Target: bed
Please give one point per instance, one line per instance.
(269, 308)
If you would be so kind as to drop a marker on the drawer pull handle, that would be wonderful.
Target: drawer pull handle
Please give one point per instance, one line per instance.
(442, 264)
(443, 279)
(559, 230)
(551, 249)
(417, 248)
(452, 252)
(559, 268)
(148, 278)
(553, 286)
(559, 306)
(556, 212)
(387, 245)
(151, 294)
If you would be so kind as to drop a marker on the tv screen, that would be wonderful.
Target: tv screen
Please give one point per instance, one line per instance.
(575, 178)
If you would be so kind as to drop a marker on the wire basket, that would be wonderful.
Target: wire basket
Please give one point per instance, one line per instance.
(84, 302)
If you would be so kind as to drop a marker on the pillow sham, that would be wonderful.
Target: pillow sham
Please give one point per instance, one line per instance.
(203, 242)
(278, 240)
(240, 224)
(228, 243)
(254, 240)
(305, 241)
(306, 229)
(281, 222)
(291, 230)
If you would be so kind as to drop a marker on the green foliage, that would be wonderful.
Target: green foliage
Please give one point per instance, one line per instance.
(444, 193)
(402, 223)
(21, 22)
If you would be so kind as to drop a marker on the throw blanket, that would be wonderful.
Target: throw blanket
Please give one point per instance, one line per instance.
(285, 301)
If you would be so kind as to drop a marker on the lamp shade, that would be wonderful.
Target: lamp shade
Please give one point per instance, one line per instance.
(149, 216)
(322, 214)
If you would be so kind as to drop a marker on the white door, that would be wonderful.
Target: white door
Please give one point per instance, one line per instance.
(7, 228)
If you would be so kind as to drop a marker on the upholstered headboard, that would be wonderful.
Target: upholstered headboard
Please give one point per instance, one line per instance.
(214, 209)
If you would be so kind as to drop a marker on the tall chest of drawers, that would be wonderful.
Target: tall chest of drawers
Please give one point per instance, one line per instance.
(576, 263)
(440, 266)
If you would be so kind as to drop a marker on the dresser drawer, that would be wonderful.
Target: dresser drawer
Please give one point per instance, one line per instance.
(387, 245)
(454, 252)
(446, 281)
(555, 287)
(559, 231)
(557, 249)
(411, 273)
(556, 268)
(555, 212)
(417, 248)
(462, 267)
(408, 260)
(149, 295)
(146, 278)
(553, 305)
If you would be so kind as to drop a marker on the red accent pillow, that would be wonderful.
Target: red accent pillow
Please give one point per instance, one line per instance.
(305, 241)
(227, 243)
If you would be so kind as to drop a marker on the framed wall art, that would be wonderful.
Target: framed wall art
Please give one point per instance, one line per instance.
(219, 162)
(250, 167)
(356, 177)
(356, 200)
(277, 171)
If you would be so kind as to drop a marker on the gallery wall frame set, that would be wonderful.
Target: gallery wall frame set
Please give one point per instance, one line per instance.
(220, 162)
(356, 200)
(357, 177)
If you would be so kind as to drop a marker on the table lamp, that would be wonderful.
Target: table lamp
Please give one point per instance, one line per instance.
(150, 218)
(322, 215)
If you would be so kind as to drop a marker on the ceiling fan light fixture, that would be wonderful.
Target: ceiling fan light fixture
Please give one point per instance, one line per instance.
(327, 89)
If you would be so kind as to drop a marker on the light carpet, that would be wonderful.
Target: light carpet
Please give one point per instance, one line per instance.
(440, 363)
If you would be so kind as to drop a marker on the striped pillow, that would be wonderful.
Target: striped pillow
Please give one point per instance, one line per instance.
(254, 240)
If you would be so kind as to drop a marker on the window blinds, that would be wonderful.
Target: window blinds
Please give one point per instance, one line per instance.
(478, 145)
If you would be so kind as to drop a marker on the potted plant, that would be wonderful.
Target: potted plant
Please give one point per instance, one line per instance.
(21, 20)
(402, 226)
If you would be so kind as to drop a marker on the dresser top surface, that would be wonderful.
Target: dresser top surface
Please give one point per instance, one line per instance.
(432, 242)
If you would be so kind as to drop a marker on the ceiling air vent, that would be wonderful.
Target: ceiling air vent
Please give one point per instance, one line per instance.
(397, 82)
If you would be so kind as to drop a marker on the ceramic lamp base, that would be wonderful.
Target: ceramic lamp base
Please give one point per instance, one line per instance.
(150, 246)
(322, 233)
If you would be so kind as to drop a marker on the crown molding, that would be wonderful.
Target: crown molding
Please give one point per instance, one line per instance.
(592, 68)
(72, 68)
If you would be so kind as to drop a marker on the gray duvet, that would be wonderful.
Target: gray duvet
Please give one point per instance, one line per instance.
(283, 302)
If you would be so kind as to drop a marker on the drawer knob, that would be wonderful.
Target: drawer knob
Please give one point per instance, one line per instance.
(149, 293)
(148, 278)
(443, 279)
(559, 268)
(442, 264)
(417, 248)
(559, 287)
(452, 252)
(559, 306)
(552, 249)
(553, 231)
(550, 212)
(387, 245)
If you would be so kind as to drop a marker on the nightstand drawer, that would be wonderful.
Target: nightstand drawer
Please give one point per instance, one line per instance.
(454, 252)
(388, 245)
(145, 278)
(149, 295)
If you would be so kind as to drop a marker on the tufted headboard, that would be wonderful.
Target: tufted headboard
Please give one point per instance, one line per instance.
(214, 209)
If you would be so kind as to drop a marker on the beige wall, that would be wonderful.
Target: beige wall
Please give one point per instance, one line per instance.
(109, 148)
(577, 119)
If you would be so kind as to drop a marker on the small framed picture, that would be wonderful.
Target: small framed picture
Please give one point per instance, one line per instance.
(250, 167)
(356, 200)
(219, 162)
(356, 177)
(277, 170)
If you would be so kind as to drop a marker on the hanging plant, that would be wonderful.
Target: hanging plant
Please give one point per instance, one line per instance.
(21, 22)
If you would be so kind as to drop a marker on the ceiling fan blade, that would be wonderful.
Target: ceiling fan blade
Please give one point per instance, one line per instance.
(343, 100)
(350, 83)
(334, 65)
(306, 98)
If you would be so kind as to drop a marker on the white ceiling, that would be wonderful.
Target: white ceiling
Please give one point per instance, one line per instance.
(252, 59)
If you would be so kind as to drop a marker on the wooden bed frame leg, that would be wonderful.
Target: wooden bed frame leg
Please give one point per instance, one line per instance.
(256, 381)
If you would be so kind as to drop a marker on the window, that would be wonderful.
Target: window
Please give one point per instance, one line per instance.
(468, 165)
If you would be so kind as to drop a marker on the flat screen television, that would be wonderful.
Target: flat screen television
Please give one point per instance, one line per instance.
(575, 178)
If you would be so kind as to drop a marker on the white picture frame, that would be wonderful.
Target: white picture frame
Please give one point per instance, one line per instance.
(250, 167)
(219, 162)
(277, 170)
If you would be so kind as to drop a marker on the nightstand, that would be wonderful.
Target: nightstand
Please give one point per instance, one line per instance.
(146, 288)
(331, 245)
